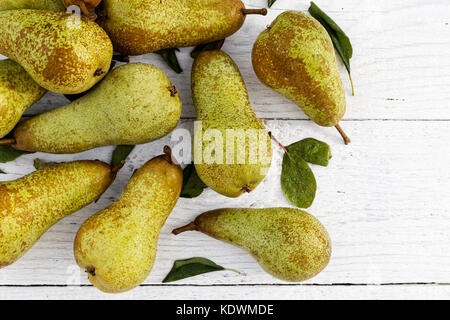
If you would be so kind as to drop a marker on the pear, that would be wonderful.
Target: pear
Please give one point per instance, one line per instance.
(18, 92)
(142, 26)
(63, 53)
(55, 5)
(288, 243)
(223, 108)
(117, 246)
(31, 205)
(135, 104)
(295, 57)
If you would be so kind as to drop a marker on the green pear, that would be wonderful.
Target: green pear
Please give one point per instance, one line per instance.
(63, 53)
(55, 5)
(18, 92)
(31, 205)
(135, 104)
(295, 57)
(223, 109)
(288, 243)
(142, 26)
(117, 246)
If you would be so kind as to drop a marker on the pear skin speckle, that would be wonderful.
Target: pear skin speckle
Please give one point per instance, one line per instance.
(18, 92)
(221, 102)
(31, 205)
(118, 245)
(133, 105)
(55, 5)
(59, 55)
(296, 58)
(142, 26)
(288, 243)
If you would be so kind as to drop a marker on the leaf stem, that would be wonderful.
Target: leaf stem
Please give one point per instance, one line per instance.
(343, 134)
(351, 81)
(233, 270)
(278, 142)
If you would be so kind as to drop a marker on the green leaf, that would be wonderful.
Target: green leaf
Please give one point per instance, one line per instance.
(340, 40)
(8, 153)
(297, 180)
(312, 151)
(271, 2)
(208, 46)
(170, 57)
(193, 186)
(40, 164)
(183, 269)
(73, 97)
(120, 154)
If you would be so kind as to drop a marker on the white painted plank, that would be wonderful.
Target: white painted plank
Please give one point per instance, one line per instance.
(384, 199)
(400, 64)
(396, 292)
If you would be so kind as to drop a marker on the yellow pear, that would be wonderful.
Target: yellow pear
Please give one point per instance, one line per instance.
(63, 53)
(31, 205)
(18, 92)
(135, 104)
(224, 115)
(288, 243)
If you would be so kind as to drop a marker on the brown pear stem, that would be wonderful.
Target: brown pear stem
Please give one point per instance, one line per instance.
(343, 134)
(121, 58)
(168, 154)
(7, 142)
(189, 227)
(117, 168)
(85, 10)
(262, 11)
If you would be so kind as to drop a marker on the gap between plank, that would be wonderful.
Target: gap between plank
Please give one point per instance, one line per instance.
(245, 285)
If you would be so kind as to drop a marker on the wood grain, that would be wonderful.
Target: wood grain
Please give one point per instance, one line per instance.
(384, 198)
(400, 66)
(264, 292)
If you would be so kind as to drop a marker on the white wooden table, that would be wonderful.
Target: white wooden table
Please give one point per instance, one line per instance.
(384, 198)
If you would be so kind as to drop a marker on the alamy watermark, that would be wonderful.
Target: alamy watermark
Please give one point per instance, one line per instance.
(222, 146)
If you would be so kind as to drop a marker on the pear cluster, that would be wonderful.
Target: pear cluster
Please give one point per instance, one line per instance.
(50, 49)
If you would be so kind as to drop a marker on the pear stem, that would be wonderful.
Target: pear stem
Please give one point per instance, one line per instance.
(121, 58)
(189, 227)
(351, 82)
(343, 134)
(117, 168)
(168, 154)
(7, 142)
(262, 11)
